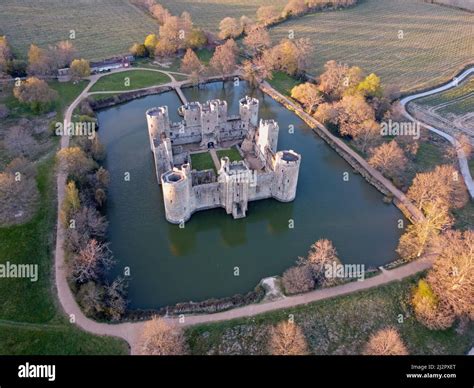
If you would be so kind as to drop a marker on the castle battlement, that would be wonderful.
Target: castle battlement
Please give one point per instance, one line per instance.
(262, 173)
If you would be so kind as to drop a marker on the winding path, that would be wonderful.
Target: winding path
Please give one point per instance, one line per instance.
(462, 159)
(130, 332)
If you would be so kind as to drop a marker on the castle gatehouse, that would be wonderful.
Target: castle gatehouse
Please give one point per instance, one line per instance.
(242, 150)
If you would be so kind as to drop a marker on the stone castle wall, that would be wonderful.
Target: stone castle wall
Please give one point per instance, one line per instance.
(186, 191)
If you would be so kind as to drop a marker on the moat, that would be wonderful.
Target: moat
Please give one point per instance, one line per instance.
(170, 264)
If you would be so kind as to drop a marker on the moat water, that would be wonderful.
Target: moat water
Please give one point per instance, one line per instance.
(169, 264)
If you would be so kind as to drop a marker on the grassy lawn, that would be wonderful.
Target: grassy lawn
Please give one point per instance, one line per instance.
(283, 83)
(30, 322)
(335, 326)
(202, 161)
(430, 155)
(464, 217)
(204, 55)
(137, 79)
(55, 340)
(67, 91)
(179, 77)
(231, 153)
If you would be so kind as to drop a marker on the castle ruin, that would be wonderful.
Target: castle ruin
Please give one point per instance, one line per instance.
(263, 172)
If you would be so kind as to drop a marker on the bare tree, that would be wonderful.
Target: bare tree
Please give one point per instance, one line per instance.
(63, 53)
(88, 224)
(160, 338)
(326, 113)
(420, 234)
(91, 297)
(288, 56)
(443, 184)
(267, 14)
(18, 197)
(389, 159)
(191, 63)
(308, 94)
(170, 37)
(367, 136)
(287, 339)
(224, 59)
(229, 28)
(354, 113)
(452, 275)
(298, 279)
(91, 261)
(246, 24)
(386, 342)
(75, 162)
(338, 78)
(5, 54)
(320, 255)
(19, 141)
(36, 93)
(40, 62)
(295, 8)
(255, 71)
(116, 301)
(21, 167)
(257, 39)
(160, 13)
(429, 311)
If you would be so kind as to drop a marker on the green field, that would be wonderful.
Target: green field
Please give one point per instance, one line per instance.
(231, 153)
(30, 322)
(67, 92)
(202, 161)
(459, 100)
(436, 42)
(207, 14)
(103, 28)
(283, 83)
(204, 55)
(334, 326)
(130, 80)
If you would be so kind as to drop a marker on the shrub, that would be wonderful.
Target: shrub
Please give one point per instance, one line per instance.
(298, 279)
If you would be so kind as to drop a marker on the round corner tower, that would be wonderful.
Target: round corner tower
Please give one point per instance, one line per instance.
(286, 169)
(158, 122)
(248, 109)
(177, 195)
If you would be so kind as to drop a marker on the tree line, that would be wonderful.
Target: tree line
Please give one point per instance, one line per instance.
(88, 255)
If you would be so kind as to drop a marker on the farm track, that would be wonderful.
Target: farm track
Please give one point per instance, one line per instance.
(448, 103)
